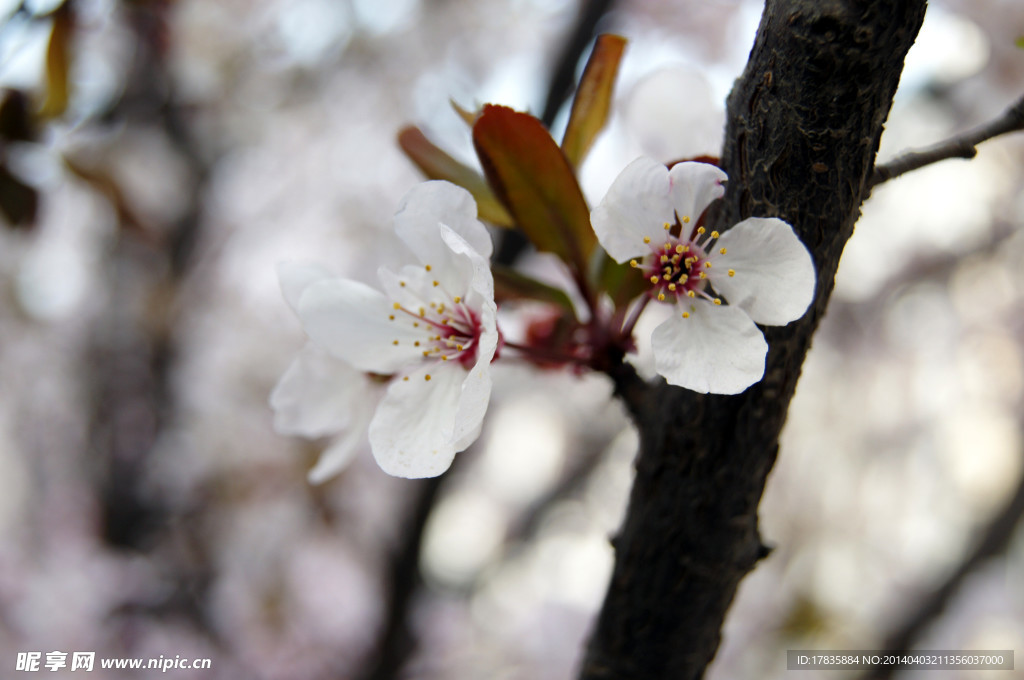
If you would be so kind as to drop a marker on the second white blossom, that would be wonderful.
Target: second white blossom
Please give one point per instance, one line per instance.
(722, 285)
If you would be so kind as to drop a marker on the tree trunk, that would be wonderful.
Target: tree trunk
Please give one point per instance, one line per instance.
(804, 122)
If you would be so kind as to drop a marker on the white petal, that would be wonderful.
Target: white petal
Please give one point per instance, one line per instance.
(475, 269)
(437, 202)
(694, 187)
(352, 321)
(717, 349)
(316, 394)
(411, 434)
(417, 290)
(774, 281)
(343, 449)
(637, 205)
(337, 456)
(295, 277)
(476, 385)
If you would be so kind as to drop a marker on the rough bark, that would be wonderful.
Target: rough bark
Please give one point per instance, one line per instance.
(804, 122)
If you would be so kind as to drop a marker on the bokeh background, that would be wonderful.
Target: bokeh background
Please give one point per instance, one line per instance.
(148, 508)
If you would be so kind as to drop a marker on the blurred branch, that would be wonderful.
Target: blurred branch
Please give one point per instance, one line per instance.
(396, 643)
(563, 78)
(960, 146)
(135, 351)
(573, 480)
(995, 538)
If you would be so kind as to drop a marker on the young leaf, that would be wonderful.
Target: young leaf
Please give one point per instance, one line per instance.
(468, 117)
(510, 284)
(436, 164)
(58, 64)
(593, 97)
(533, 179)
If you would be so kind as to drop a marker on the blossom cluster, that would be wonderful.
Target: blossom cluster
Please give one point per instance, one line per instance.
(406, 368)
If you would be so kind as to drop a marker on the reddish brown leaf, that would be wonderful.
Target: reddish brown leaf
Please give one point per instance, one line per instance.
(533, 179)
(436, 164)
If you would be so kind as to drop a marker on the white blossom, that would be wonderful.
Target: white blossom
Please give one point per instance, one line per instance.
(722, 285)
(430, 336)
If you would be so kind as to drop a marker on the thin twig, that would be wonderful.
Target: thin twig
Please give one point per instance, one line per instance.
(993, 542)
(396, 643)
(961, 146)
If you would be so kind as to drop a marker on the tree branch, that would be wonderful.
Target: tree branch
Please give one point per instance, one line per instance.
(804, 122)
(960, 146)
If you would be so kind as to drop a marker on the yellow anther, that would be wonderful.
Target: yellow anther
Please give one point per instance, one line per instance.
(423, 312)
(718, 301)
(654, 279)
(445, 321)
(672, 287)
(715, 234)
(402, 284)
(686, 315)
(391, 317)
(436, 284)
(701, 230)
(667, 226)
(732, 272)
(394, 342)
(690, 293)
(722, 251)
(440, 308)
(459, 347)
(664, 259)
(426, 352)
(396, 306)
(661, 297)
(667, 245)
(416, 343)
(634, 264)
(680, 249)
(703, 275)
(433, 305)
(458, 299)
(437, 338)
(426, 377)
(647, 239)
(405, 377)
(444, 358)
(707, 265)
(427, 267)
(667, 277)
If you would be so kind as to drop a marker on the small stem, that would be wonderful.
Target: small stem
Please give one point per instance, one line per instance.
(627, 328)
(542, 354)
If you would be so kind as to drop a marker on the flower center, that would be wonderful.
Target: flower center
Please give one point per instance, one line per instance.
(445, 327)
(677, 265)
